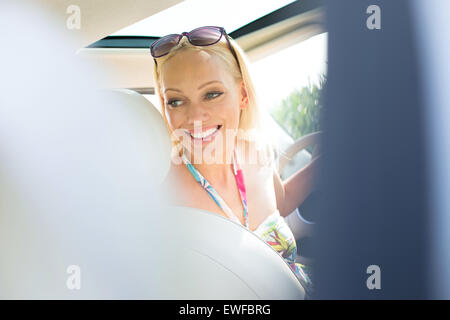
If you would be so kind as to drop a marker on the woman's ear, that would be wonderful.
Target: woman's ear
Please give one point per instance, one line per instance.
(244, 96)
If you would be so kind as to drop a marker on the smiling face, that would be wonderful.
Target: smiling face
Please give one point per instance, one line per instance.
(202, 101)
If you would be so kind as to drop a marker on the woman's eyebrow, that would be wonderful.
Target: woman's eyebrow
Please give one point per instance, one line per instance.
(203, 85)
(206, 83)
(171, 89)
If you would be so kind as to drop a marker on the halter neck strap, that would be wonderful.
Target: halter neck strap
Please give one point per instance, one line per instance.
(239, 176)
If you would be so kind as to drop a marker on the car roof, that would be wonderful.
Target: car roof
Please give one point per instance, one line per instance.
(282, 20)
(127, 56)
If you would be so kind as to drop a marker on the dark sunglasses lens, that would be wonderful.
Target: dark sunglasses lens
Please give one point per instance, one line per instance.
(162, 46)
(204, 36)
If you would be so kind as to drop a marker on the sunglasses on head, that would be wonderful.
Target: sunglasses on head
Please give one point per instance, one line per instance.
(203, 36)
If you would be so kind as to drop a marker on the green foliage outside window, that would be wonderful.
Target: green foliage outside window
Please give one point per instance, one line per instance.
(299, 113)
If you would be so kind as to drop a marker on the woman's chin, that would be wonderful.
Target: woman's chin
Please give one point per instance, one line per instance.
(207, 154)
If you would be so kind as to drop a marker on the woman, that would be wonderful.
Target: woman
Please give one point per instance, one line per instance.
(222, 157)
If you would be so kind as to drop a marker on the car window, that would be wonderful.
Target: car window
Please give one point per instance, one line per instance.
(291, 90)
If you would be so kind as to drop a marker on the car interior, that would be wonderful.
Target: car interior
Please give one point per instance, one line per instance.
(110, 41)
(84, 150)
(126, 54)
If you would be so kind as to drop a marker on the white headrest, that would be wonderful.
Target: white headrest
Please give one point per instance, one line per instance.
(148, 126)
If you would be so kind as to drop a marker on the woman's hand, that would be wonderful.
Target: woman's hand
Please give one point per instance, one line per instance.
(293, 191)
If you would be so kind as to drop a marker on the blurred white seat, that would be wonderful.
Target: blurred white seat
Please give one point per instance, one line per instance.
(220, 259)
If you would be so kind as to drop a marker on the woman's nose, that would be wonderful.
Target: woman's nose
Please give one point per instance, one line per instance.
(197, 113)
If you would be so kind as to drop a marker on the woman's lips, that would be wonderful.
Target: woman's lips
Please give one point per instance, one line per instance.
(205, 135)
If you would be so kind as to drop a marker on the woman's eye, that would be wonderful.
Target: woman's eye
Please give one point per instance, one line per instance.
(213, 94)
(174, 103)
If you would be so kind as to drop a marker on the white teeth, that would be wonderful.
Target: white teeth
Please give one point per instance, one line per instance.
(204, 134)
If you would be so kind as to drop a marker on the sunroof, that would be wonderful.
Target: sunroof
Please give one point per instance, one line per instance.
(190, 14)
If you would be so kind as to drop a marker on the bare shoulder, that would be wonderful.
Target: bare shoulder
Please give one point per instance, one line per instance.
(255, 157)
(259, 180)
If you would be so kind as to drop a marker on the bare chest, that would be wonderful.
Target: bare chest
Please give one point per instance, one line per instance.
(261, 199)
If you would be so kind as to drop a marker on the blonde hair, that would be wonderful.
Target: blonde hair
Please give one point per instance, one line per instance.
(250, 119)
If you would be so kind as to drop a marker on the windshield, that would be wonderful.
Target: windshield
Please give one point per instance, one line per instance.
(191, 14)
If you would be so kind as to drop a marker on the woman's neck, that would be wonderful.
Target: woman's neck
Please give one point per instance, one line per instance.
(217, 173)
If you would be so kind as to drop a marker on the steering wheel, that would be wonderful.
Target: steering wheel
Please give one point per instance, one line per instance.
(300, 221)
(297, 146)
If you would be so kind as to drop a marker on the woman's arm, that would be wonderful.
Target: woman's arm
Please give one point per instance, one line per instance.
(292, 192)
